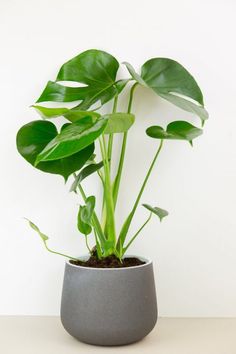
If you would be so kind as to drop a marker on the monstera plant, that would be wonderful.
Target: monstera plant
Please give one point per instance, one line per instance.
(83, 144)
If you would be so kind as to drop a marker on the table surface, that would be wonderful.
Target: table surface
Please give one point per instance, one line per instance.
(45, 335)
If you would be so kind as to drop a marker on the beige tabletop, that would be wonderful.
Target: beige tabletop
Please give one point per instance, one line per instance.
(45, 335)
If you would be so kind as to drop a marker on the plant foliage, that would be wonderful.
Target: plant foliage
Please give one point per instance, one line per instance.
(69, 151)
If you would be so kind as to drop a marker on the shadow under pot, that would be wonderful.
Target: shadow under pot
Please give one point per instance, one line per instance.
(109, 306)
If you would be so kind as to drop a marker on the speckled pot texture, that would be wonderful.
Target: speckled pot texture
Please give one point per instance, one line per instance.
(109, 306)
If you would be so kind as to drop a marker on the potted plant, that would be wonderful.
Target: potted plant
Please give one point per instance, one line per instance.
(108, 297)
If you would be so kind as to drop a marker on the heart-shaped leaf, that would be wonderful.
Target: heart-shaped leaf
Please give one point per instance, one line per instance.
(118, 122)
(85, 215)
(171, 81)
(72, 139)
(161, 213)
(72, 115)
(94, 68)
(85, 172)
(33, 137)
(178, 130)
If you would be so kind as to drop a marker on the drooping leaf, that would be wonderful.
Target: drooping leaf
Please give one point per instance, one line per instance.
(171, 81)
(178, 130)
(161, 213)
(33, 137)
(94, 68)
(85, 172)
(118, 122)
(35, 228)
(85, 215)
(72, 115)
(72, 139)
(45, 238)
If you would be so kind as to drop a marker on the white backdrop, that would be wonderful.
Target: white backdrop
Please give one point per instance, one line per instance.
(194, 248)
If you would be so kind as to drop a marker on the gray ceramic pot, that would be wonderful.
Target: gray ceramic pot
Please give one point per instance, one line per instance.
(109, 306)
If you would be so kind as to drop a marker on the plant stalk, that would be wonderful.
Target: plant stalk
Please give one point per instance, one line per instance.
(126, 225)
(116, 184)
(110, 140)
(136, 234)
(60, 254)
(110, 217)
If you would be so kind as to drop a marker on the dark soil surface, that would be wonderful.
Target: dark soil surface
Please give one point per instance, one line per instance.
(109, 262)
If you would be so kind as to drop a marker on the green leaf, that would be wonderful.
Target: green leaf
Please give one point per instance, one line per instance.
(85, 172)
(165, 75)
(35, 228)
(118, 122)
(161, 213)
(72, 115)
(33, 137)
(94, 68)
(72, 139)
(85, 215)
(171, 81)
(178, 130)
(186, 105)
(59, 93)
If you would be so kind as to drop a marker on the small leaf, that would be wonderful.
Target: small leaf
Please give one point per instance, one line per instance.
(33, 137)
(85, 172)
(73, 139)
(118, 122)
(161, 213)
(85, 215)
(72, 115)
(35, 228)
(178, 130)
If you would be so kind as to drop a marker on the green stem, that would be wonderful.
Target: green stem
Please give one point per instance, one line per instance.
(136, 234)
(110, 218)
(116, 184)
(126, 225)
(87, 245)
(60, 254)
(110, 140)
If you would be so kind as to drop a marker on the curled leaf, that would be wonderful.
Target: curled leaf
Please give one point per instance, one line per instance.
(85, 215)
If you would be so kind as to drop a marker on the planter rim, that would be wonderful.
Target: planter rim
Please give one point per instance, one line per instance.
(84, 257)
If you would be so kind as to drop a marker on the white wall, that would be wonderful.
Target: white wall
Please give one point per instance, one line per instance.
(194, 248)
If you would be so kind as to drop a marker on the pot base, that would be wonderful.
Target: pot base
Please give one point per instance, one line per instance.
(109, 306)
